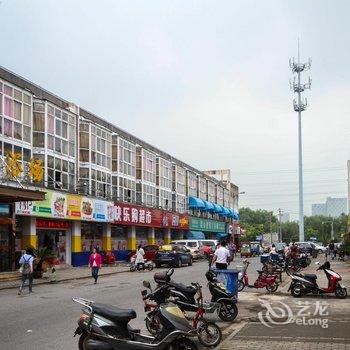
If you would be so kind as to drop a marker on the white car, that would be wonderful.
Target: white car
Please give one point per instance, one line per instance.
(194, 245)
(320, 248)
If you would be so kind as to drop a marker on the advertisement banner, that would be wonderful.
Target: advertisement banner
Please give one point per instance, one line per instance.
(175, 220)
(199, 224)
(73, 206)
(128, 214)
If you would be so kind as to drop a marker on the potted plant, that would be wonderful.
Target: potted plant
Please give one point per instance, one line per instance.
(42, 255)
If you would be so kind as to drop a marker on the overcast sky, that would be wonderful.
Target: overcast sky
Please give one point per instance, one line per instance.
(207, 81)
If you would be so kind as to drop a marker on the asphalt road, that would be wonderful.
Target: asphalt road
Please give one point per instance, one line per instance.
(47, 318)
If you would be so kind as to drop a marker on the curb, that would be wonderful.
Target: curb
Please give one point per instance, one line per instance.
(63, 280)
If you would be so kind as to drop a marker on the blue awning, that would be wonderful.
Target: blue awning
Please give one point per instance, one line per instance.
(196, 203)
(235, 215)
(217, 208)
(220, 235)
(227, 211)
(209, 206)
(231, 215)
(222, 211)
(195, 235)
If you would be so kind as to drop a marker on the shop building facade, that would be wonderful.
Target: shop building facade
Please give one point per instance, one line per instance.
(104, 187)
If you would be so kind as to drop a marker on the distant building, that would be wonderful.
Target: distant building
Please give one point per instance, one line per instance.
(285, 217)
(318, 209)
(333, 207)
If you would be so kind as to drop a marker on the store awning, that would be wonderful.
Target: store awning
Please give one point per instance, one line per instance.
(196, 203)
(195, 235)
(231, 215)
(9, 194)
(217, 208)
(222, 210)
(209, 206)
(235, 215)
(227, 211)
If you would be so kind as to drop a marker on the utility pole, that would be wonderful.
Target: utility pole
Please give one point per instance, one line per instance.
(280, 212)
(270, 228)
(300, 105)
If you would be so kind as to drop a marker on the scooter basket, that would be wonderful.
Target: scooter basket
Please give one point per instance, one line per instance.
(161, 277)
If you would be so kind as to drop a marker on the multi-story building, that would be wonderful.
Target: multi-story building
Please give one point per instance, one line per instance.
(333, 207)
(104, 187)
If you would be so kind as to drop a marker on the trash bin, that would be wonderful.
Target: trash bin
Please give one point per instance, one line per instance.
(229, 278)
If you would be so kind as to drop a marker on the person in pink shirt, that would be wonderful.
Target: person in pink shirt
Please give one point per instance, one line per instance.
(95, 262)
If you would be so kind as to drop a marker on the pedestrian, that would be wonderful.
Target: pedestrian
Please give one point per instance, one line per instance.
(294, 251)
(26, 270)
(331, 247)
(221, 257)
(273, 249)
(140, 261)
(95, 263)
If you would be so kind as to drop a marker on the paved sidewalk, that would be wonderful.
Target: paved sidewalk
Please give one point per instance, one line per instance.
(68, 274)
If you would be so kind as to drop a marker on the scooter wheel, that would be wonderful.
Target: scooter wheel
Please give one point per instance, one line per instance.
(228, 310)
(153, 323)
(82, 341)
(296, 291)
(150, 267)
(272, 287)
(340, 292)
(132, 268)
(240, 286)
(183, 344)
(209, 334)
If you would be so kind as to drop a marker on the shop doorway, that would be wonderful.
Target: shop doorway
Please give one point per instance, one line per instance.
(55, 241)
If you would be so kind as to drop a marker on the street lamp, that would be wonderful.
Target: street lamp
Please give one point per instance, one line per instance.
(332, 225)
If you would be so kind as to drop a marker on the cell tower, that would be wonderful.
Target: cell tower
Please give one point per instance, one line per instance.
(300, 105)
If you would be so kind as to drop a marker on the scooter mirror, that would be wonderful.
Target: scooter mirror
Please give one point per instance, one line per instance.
(146, 284)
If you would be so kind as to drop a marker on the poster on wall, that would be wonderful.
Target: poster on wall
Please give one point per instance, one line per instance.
(99, 210)
(73, 206)
(59, 205)
(86, 208)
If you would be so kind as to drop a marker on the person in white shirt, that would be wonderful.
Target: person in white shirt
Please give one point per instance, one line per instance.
(26, 270)
(221, 257)
(140, 253)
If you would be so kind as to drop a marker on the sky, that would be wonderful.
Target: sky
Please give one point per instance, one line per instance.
(206, 81)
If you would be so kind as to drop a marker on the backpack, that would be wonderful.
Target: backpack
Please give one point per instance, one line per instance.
(25, 266)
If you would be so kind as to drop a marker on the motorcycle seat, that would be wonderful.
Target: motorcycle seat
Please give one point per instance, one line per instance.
(183, 288)
(308, 276)
(113, 313)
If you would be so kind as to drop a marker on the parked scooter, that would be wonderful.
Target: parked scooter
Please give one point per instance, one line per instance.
(263, 281)
(209, 334)
(222, 302)
(106, 327)
(303, 284)
(147, 265)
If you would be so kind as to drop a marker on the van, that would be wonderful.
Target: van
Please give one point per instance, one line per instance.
(194, 245)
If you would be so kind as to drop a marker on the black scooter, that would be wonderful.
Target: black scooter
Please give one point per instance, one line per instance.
(221, 301)
(105, 327)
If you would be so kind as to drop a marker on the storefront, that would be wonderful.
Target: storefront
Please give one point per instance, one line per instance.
(159, 236)
(119, 241)
(54, 235)
(141, 236)
(207, 228)
(91, 236)
(6, 238)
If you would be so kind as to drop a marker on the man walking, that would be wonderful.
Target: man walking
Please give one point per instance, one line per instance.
(26, 270)
(221, 257)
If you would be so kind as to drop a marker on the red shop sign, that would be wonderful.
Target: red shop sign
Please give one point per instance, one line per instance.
(175, 220)
(135, 215)
(52, 223)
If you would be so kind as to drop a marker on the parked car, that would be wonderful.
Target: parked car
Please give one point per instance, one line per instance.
(173, 255)
(208, 247)
(194, 245)
(150, 252)
(245, 250)
(108, 257)
(306, 247)
(320, 247)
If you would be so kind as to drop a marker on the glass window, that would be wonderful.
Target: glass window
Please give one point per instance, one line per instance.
(8, 107)
(7, 127)
(71, 133)
(58, 113)
(7, 148)
(71, 168)
(64, 130)
(58, 127)
(26, 133)
(84, 155)
(27, 99)
(38, 121)
(58, 145)
(38, 139)
(17, 111)
(71, 120)
(65, 116)
(84, 140)
(51, 124)
(26, 114)
(18, 95)
(58, 163)
(26, 154)
(65, 147)
(50, 162)
(8, 90)
(71, 149)
(39, 107)
(50, 110)
(65, 165)
(17, 131)
(0, 104)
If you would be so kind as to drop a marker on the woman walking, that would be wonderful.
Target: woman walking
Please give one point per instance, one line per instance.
(95, 263)
(140, 261)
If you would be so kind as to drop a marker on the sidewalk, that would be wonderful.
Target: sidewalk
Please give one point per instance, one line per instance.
(67, 274)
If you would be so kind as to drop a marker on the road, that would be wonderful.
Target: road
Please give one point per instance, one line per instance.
(47, 318)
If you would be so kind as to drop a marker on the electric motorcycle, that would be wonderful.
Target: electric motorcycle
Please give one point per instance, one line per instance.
(222, 301)
(303, 283)
(106, 327)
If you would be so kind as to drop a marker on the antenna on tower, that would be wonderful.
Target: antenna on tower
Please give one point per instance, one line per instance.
(300, 105)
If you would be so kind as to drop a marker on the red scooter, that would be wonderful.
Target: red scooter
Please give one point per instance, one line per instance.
(263, 281)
